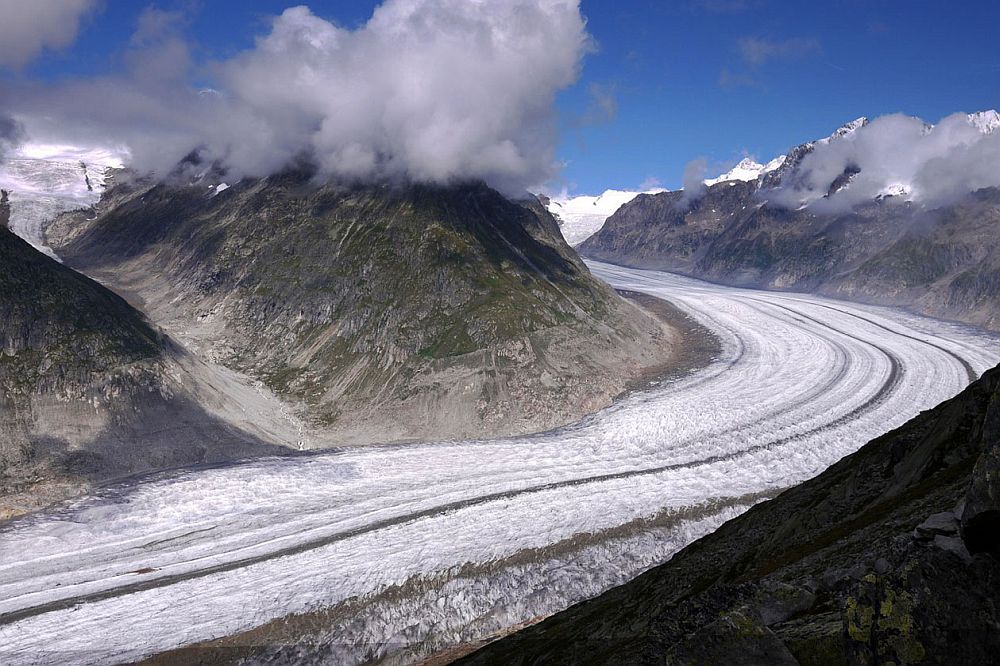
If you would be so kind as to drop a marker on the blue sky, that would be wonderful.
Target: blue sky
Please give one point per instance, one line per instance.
(673, 81)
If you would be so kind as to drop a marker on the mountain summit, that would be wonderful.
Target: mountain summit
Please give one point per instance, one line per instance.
(383, 312)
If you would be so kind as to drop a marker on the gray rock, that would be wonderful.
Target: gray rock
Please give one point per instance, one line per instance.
(4, 210)
(953, 545)
(738, 638)
(981, 513)
(943, 523)
(780, 601)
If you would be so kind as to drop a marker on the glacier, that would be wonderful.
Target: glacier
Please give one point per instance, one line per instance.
(397, 551)
(45, 180)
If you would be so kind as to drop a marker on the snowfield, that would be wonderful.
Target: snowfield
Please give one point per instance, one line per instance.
(426, 545)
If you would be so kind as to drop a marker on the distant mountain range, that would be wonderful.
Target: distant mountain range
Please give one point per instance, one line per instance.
(942, 259)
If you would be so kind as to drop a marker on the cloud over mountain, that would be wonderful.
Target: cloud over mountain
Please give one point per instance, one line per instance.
(11, 135)
(432, 91)
(903, 155)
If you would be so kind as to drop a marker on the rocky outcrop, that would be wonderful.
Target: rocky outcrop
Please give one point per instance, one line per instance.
(887, 557)
(384, 312)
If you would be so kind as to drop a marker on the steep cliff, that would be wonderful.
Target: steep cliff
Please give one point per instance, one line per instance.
(4, 210)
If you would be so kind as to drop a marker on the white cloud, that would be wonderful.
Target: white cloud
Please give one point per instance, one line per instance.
(430, 90)
(29, 26)
(694, 181)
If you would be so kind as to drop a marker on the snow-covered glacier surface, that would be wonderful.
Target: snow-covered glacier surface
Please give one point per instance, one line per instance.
(397, 551)
(45, 180)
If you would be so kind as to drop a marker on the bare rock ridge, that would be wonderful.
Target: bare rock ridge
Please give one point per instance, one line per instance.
(942, 261)
(382, 312)
(890, 556)
(90, 391)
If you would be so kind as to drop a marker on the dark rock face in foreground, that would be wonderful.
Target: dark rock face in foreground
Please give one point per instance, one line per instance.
(385, 312)
(890, 556)
(62, 336)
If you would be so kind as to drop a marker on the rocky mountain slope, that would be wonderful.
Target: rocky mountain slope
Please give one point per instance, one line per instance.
(90, 391)
(383, 312)
(942, 260)
(890, 556)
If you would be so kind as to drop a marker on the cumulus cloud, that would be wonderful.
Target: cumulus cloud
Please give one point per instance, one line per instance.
(898, 154)
(756, 51)
(428, 90)
(29, 26)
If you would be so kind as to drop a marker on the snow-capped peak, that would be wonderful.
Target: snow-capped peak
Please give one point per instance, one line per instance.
(986, 122)
(748, 169)
(845, 130)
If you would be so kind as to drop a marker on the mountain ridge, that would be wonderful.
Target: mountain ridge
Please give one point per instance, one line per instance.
(940, 260)
(345, 300)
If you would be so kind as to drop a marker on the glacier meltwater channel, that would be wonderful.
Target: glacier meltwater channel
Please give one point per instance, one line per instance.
(402, 550)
